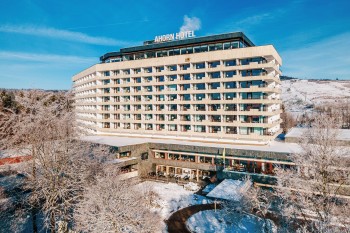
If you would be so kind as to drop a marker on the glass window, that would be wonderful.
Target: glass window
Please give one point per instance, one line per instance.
(199, 75)
(227, 45)
(218, 46)
(204, 48)
(176, 51)
(200, 65)
(212, 47)
(197, 49)
(215, 74)
(230, 63)
(230, 74)
(184, 66)
(235, 45)
(189, 50)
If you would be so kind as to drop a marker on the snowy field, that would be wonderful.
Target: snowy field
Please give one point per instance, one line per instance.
(298, 94)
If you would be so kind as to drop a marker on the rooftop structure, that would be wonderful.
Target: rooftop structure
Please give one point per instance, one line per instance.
(214, 88)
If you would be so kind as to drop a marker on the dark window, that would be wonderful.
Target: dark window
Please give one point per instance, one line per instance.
(144, 156)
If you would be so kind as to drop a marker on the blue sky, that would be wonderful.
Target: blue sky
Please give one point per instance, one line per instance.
(43, 43)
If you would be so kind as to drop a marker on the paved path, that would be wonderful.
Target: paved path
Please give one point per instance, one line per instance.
(177, 221)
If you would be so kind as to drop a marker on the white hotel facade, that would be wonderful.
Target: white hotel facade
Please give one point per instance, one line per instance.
(213, 88)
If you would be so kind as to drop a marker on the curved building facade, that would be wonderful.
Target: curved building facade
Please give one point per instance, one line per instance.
(213, 88)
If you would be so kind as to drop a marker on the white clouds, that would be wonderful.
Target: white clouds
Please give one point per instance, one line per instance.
(45, 58)
(255, 19)
(61, 34)
(190, 24)
(328, 58)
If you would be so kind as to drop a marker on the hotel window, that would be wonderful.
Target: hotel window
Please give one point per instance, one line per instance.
(204, 48)
(172, 77)
(148, 88)
(215, 75)
(230, 74)
(214, 86)
(199, 128)
(186, 77)
(116, 72)
(172, 97)
(139, 56)
(214, 64)
(172, 87)
(137, 70)
(230, 85)
(187, 50)
(172, 68)
(107, 73)
(199, 97)
(184, 66)
(199, 86)
(200, 65)
(148, 79)
(186, 97)
(159, 68)
(176, 51)
(199, 75)
(199, 118)
(185, 87)
(126, 72)
(200, 107)
(229, 96)
(128, 57)
(173, 107)
(148, 97)
(162, 53)
(218, 46)
(197, 49)
(147, 69)
(227, 45)
(150, 54)
(160, 97)
(160, 88)
(160, 78)
(215, 96)
(230, 63)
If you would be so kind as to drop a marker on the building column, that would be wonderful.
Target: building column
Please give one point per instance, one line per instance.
(263, 167)
(167, 170)
(197, 175)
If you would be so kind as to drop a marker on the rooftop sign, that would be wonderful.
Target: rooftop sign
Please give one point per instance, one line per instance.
(174, 36)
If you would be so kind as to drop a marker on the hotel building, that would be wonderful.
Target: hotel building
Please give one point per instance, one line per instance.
(212, 88)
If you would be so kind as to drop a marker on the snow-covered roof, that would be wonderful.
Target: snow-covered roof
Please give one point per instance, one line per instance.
(119, 141)
(230, 190)
(344, 134)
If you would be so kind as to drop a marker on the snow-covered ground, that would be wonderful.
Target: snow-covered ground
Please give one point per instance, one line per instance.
(173, 197)
(298, 94)
(211, 221)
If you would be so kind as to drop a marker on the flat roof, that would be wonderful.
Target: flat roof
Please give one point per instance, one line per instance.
(177, 43)
(344, 134)
(120, 141)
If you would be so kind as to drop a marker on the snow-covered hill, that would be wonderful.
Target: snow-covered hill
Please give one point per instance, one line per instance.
(299, 95)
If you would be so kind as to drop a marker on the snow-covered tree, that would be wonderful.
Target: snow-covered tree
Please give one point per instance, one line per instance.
(313, 192)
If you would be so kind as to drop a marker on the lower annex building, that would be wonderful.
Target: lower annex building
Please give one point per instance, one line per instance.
(212, 88)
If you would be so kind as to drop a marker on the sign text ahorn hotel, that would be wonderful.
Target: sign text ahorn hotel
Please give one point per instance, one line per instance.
(174, 36)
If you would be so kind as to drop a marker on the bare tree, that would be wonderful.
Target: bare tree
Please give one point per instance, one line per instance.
(312, 192)
(114, 205)
(43, 126)
(254, 200)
